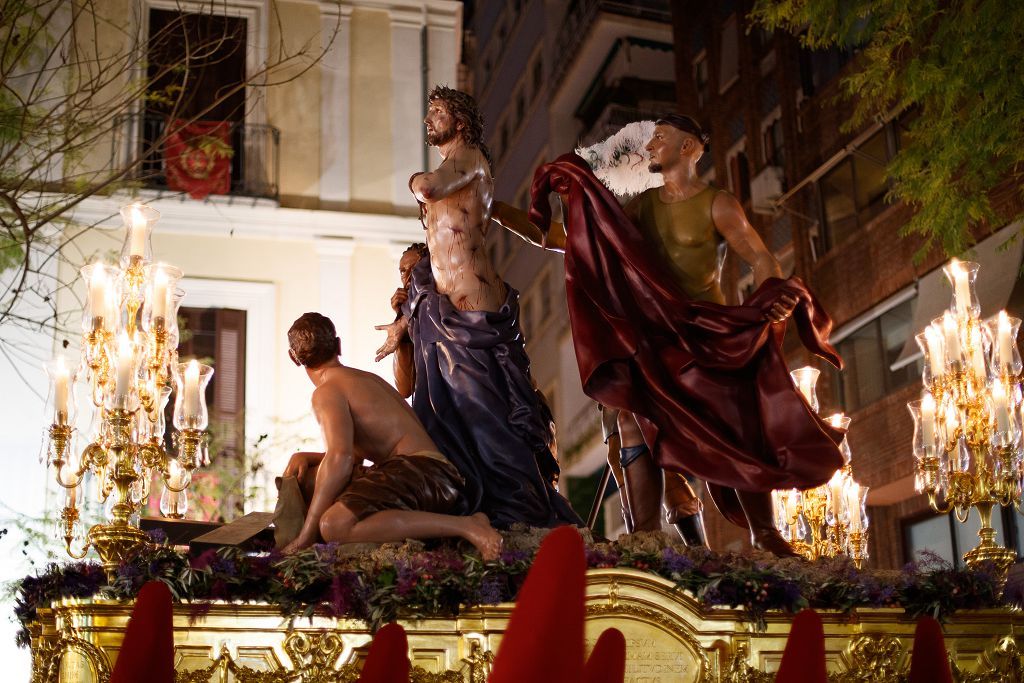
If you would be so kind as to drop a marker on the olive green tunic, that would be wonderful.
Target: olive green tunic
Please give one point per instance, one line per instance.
(684, 234)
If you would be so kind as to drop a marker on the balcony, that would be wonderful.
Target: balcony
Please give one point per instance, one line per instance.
(248, 151)
(579, 20)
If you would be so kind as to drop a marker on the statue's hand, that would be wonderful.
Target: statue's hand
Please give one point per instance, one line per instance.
(397, 299)
(396, 331)
(297, 465)
(781, 309)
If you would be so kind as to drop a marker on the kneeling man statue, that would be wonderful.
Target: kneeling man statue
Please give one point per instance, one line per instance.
(411, 487)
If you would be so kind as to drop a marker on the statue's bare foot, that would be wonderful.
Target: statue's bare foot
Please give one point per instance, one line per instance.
(481, 534)
(301, 542)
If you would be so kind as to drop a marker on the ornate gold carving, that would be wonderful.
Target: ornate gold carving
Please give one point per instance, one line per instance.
(740, 671)
(872, 658)
(479, 661)
(672, 626)
(314, 654)
(998, 664)
(49, 653)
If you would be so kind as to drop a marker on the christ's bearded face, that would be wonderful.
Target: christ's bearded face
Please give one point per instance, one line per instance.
(441, 125)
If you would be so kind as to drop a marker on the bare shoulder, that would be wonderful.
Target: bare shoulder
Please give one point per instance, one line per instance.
(724, 202)
(727, 213)
(335, 391)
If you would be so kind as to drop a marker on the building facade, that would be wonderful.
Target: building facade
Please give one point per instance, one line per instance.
(313, 215)
(816, 195)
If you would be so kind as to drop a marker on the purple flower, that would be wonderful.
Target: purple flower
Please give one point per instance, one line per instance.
(158, 536)
(675, 562)
(513, 556)
(490, 590)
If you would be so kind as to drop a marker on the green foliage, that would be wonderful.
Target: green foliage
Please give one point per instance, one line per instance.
(406, 581)
(958, 64)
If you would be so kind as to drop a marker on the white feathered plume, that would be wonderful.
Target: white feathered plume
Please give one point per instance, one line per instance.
(620, 162)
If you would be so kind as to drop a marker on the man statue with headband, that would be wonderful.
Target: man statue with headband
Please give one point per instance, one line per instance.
(473, 390)
(695, 382)
(410, 491)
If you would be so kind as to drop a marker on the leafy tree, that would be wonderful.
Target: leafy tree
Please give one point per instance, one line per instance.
(958, 63)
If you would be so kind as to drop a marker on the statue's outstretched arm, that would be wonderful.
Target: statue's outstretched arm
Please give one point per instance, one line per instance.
(518, 222)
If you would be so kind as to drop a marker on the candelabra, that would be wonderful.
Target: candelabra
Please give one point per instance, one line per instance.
(967, 424)
(831, 519)
(129, 357)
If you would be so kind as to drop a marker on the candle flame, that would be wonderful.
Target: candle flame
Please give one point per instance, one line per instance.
(137, 218)
(928, 402)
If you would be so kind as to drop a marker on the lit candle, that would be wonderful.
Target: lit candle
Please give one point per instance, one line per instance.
(98, 293)
(936, 360)
(60, 392)
(835, 487)
(977, 355)
(792, 509)
(112, 310)
(125, 363)
(1005, 350)
(853, 503)
(71, 497)
(952, 335)
(999, 407)
(138, 232)
(961, 288)
(836, 420)
(928, 421)
(191, 395)
(160, 295)
(950, 436)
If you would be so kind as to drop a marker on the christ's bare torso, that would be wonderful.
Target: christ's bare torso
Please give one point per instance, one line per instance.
(456, 227)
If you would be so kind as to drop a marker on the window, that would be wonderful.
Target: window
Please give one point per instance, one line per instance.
(949, 539)
(729, 66)
(739, 176)
(700, 80)
(192, 59)
(853, 192)
(818, 67)
(868, 352)
(774, 150)
(217, 336)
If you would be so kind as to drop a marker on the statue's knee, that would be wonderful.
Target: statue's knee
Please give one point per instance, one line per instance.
(336, 523)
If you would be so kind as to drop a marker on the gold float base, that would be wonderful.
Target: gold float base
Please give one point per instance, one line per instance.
(669, 637)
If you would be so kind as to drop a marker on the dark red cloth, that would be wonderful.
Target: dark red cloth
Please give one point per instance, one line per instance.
(197, 157)
(388, 658)
(147, 652)
(803, 660)
(929, 662)
(707, 382)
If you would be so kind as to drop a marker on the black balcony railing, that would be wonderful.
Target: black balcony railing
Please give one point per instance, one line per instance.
(581, 16)
(254, 155)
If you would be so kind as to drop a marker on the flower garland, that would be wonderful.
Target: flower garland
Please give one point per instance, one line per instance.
(409, 581)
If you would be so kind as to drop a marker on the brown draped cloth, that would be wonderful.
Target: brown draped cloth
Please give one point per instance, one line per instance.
(707, 382)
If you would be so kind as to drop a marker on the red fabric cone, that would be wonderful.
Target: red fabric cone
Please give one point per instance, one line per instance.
(544, 639)
(804, 658)
(607, 663)
(147, 653)
(929, 662)
(388, 659)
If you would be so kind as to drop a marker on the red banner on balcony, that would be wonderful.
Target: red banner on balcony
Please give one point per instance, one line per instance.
(197, 157)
